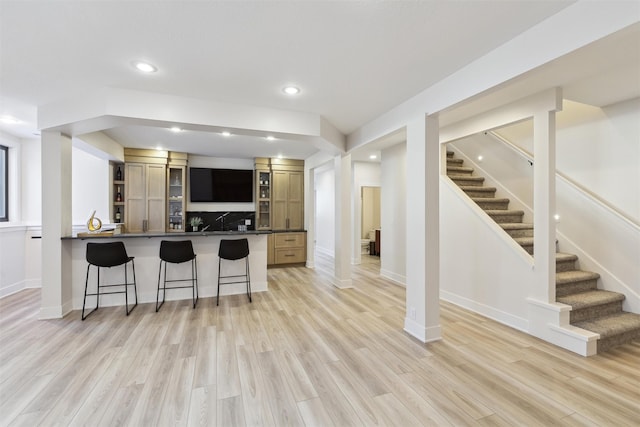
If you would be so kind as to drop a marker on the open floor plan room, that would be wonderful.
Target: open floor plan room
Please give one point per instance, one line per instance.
(303, 353)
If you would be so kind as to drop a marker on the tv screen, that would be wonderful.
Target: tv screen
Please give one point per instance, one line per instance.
(221, 185)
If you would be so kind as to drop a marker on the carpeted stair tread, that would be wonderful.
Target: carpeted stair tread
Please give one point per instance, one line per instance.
(459, 170)
(590, 298)
(524, 241)
(468, 179)
(563, 257)
(452, 161)
(450, 153)
(612, 325)
(490, 200)
(575, 276)
(477, 189)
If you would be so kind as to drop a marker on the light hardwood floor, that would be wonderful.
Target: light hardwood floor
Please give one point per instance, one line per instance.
(304, 353)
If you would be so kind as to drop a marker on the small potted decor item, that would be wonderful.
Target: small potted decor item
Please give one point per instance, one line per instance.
(195, 222)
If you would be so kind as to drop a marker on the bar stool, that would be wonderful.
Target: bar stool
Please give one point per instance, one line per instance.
(233, 250)
(177, 253)
(109, 255)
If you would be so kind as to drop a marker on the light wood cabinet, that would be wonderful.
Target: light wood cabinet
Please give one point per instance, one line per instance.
(145, 197)
(288, 248)
(287, 200)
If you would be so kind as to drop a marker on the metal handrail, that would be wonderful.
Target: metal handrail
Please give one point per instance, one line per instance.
(597, 199)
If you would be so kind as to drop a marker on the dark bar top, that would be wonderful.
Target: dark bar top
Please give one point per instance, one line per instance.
(84, 236)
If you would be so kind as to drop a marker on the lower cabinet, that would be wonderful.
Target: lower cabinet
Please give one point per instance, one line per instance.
(287, 248)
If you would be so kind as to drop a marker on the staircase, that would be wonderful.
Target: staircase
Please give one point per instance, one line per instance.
(592, 309)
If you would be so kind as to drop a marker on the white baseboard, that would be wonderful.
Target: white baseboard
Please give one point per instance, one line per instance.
(398, 278)
(422, 333)
(12, 289)
(519, 323)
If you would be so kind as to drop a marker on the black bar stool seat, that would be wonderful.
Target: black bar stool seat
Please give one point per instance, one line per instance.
(233, 250)
(177, 252)
(107, 255)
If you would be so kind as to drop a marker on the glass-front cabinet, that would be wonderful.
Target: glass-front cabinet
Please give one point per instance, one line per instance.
(263, 200)
(175, 198)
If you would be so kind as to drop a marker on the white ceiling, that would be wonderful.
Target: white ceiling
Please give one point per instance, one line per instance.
(352, 60)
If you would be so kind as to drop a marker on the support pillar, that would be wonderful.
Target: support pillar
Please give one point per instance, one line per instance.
(544, 202)
(310, 216)
(56, 299)
(343, 236)
(422, 318)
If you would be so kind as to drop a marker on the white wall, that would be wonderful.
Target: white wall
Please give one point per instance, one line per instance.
(90, 187)
(393, 216)
(325, 211)
(31, 182)
(599, 148)
(475, 257)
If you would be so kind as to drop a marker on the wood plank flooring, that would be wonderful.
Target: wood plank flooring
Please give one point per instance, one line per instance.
(304, 353)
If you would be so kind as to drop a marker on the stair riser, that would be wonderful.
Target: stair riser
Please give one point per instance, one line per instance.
(460, 180)
(575, 287)
(590, 313)
(499, 205)
(565, 266)
(607, 343)
(450, 154)
(506, 218)
(523, 232)
(472, 193)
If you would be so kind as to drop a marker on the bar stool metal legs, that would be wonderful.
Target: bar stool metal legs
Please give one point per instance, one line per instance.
(177, 253)
(109, 255)
(234, 250)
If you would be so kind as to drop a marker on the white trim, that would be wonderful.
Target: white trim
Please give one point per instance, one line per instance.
(425, 335)
(519, 323)
(394, 277)
(342, 283)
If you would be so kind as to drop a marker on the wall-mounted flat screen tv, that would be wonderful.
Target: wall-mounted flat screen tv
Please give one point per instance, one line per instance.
(220, 185)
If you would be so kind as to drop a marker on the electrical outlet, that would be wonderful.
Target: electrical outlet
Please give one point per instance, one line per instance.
(412, 313)
(247, 222)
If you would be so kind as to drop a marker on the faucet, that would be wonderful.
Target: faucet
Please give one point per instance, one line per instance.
(221, 217)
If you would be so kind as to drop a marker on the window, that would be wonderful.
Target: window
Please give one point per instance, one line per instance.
(4, 183)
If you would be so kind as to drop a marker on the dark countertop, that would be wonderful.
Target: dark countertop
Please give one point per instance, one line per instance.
(173, 234)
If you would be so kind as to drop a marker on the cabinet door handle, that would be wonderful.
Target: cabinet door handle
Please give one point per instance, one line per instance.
(287, 223)
(289, 240)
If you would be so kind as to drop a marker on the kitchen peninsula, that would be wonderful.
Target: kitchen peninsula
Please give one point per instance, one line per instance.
(145, 248)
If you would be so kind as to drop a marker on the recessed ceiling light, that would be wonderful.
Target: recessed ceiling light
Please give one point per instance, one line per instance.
(480, 158)
(176, 129)
(291, 90)
(145, 67)
(9, 120)
(373, 156)
(271, 138)
(225, 133)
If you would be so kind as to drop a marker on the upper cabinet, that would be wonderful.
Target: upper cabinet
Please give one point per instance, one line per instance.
(279, 194)
(287, 194)
(176, 191)
(145, 190)
(263, 194)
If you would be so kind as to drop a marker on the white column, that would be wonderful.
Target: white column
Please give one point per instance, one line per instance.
(310, 214)
(56, 223)
(544, 205)
(343, 236)
(423, 248)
